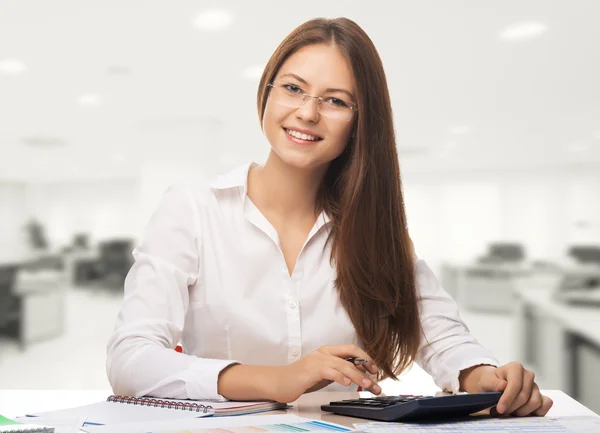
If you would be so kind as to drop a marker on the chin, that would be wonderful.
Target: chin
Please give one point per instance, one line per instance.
(295, 160)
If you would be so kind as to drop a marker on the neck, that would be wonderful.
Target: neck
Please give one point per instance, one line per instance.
(289, 191)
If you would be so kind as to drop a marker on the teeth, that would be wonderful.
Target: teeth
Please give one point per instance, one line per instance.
(300, 135)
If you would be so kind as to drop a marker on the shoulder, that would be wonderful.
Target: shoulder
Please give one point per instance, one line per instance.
(212, 191)
(187, 198)
(424, 275)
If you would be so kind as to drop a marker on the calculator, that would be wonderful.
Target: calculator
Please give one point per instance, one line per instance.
(414, 407)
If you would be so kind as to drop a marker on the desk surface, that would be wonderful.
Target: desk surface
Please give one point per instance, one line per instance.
(18, 402)
(579, 319)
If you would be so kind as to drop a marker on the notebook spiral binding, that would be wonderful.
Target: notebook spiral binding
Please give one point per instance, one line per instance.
(153, 402)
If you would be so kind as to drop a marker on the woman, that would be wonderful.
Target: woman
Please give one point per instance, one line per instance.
(273, 274)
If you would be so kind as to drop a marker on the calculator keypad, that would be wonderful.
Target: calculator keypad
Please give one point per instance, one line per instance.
(378, 401)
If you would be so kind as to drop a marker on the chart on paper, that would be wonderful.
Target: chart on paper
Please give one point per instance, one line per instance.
(491, 425)
(303, 427)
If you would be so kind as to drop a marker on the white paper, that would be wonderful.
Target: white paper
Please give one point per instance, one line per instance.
(107, 412)
(491, 425)
(66, 425)
(212, 422)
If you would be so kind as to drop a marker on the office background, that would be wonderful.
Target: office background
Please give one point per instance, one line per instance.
(103, 104)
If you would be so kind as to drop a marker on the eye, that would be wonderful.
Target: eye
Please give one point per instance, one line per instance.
(337, 102)
(292, 88)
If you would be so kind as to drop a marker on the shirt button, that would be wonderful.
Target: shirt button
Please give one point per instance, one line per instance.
(293, 304)
(295, 351)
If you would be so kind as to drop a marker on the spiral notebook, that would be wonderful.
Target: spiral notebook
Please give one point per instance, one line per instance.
(216, 408)
(118, 409)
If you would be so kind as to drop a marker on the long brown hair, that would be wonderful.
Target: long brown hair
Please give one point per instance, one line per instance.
(362, 194)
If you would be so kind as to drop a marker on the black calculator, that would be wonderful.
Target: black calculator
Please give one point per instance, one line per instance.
(414, 407)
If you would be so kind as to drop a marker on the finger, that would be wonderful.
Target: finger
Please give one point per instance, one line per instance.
(525, 394)
(348, 350)
(367, 372)
(533, 404)
(514, 376)
(336, 376)
(494, 412)
(372, 367)
(351, 371)
(491, 382)
(545, 407)
(375, 389)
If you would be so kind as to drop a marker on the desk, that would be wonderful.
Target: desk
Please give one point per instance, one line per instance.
(42, 297)
(18, 402)
(485, 286)
(562, 342)
(309, 406)
(35, 303)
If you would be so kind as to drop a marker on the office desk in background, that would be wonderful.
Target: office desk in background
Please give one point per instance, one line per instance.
(43, 304)
(37, 302)
(561, 341)
(19, 402)
(485, 287)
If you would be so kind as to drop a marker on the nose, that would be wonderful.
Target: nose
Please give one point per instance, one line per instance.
(309, 111)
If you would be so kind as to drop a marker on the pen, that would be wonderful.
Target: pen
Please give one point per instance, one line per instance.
(356, 361)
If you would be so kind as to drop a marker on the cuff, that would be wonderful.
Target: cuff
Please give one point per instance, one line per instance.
(202, 376)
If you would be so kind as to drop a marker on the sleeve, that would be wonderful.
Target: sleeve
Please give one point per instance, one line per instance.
(447, 346)
(140, 356)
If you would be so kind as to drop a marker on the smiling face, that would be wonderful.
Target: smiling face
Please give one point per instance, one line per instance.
(319, 70)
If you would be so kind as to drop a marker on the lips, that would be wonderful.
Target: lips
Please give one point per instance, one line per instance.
(303, 131)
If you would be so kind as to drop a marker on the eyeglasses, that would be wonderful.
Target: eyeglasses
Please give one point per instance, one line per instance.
(292, 96)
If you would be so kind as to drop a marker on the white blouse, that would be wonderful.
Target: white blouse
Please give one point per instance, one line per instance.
(210, 274)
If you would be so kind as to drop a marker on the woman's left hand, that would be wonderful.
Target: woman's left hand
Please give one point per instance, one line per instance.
(520, 394)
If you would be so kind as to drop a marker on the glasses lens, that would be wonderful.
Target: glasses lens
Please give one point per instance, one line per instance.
(336, 108)
(287, 95)
(292, 96)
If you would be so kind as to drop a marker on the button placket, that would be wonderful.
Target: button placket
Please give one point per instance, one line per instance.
(293, 318)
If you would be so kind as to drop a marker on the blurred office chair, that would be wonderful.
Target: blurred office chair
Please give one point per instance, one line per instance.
(108, 268)
(10, 312)
(81, 241)
(114, 262)
(503, 252)
(585, 254)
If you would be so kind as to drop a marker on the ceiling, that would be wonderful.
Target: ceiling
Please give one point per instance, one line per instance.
(114, 86)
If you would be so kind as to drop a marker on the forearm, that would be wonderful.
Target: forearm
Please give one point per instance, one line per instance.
(249, 382)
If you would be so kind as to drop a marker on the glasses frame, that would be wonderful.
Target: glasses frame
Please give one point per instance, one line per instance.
(352, 105)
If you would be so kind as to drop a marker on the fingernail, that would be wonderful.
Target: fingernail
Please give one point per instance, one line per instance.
(347, 381)
(377, 389)
(366, 382)
(501, 408)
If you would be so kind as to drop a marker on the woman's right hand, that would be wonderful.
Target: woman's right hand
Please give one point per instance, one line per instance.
(321, 368)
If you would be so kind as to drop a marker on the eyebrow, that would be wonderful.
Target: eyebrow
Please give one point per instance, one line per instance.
(302, 80)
